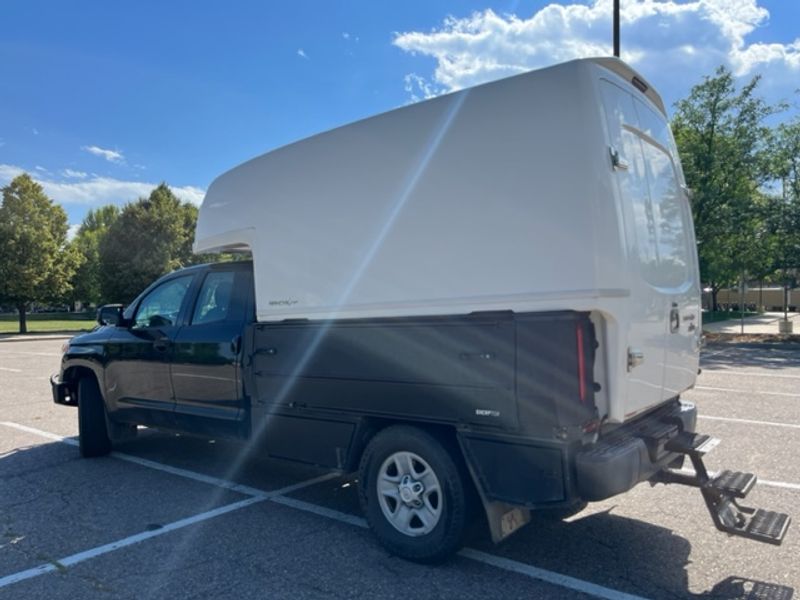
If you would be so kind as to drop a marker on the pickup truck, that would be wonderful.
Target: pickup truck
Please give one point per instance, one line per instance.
(489, 299)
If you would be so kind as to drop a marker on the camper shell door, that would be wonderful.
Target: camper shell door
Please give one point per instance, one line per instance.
(663, 325)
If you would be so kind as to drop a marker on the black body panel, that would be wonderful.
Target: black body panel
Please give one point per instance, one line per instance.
(466, 370)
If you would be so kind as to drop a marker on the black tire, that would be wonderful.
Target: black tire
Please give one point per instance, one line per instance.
(446, 537)
(93, 430)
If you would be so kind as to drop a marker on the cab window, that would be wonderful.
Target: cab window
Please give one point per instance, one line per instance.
(160, 308)
(217, 300)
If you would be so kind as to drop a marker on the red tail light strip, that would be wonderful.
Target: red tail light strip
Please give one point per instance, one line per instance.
(581, 364)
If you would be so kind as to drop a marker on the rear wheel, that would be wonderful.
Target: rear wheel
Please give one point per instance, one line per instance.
(414, 494)
(93, 430)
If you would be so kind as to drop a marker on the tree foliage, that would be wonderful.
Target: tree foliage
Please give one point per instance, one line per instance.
(36, 263)
(95, 226)
(151, 237)
(725, 150)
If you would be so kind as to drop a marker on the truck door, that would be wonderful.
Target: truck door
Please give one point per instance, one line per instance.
(206, 360)
(649, 307)
(137, 377)
(677, 273)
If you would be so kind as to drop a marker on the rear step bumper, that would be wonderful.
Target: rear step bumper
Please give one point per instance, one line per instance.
(633, 453)
(650, 447)
(722, 492)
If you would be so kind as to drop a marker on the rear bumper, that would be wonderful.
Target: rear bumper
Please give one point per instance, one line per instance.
(62, 394)
(633, 453)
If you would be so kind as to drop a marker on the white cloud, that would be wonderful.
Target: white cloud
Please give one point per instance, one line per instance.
(74, 174)
(114, 156)
(419, 88)
(97, 191)
(41, 169)
(9, 172)
(671, 42)
(72, 231)
(301, 53)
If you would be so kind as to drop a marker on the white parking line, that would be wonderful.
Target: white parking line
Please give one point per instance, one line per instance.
(74, 559)
(564, 581)
(740, 391)
(749, 421)
(202, 478)
(10, 370)
(277, 497)
(749, 374)
(499, 562)
(30, 353)
(777, 484)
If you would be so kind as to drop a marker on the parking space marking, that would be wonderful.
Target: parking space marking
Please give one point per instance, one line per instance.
(565, 581)
(749, 421)
(80, 557)
(278, 497)
(506, 564)
(749, 374)
(769, 483)
(739, 391)
(10, 370)
(208, 479)
(29, 353)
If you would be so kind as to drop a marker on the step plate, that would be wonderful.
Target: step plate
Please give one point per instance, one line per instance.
(734, 483)
(692, 443)
(768, 526)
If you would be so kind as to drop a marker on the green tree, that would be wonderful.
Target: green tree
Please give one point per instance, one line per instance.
(151, 237)
(725, 152)
(787, 159)
(785, 206)
(36, 263)
(86, 282)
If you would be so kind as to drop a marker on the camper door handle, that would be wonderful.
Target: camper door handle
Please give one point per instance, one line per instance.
(674, 320)
(616, 160)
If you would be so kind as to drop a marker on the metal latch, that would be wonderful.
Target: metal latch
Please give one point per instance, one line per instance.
(616, 160)
(674, 318)
(635, 358)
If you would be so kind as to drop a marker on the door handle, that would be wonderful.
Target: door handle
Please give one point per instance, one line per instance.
(236, 344)
(674, 320)
(161, 344)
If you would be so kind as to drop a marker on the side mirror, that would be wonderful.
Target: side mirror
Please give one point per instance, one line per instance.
(110, 314)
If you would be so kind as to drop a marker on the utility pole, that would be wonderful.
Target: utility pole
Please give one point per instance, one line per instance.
(616, 28)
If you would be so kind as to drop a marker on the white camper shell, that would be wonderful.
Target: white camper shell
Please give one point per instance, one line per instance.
(557, 189)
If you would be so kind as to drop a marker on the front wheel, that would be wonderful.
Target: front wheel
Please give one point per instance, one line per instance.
(92, 427)
(414, 494)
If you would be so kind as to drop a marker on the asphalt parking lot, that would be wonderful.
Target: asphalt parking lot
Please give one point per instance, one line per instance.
(171, 516)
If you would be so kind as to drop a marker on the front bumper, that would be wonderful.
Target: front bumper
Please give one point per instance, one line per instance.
(633, 453)
(62, 393)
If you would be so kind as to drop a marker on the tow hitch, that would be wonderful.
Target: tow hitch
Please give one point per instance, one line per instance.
(721, 492)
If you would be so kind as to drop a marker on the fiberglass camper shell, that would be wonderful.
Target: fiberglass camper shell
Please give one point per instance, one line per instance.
(558, 189)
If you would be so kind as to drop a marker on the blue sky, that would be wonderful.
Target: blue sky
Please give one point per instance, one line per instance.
(99, 101)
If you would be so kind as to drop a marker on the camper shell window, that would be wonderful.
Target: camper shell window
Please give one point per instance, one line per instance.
(650, 187)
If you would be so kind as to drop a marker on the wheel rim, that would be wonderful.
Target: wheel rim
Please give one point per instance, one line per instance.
(409, 494)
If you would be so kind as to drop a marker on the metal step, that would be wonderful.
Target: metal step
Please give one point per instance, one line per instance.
(756, 524)
(692, 443)
(734, 483)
